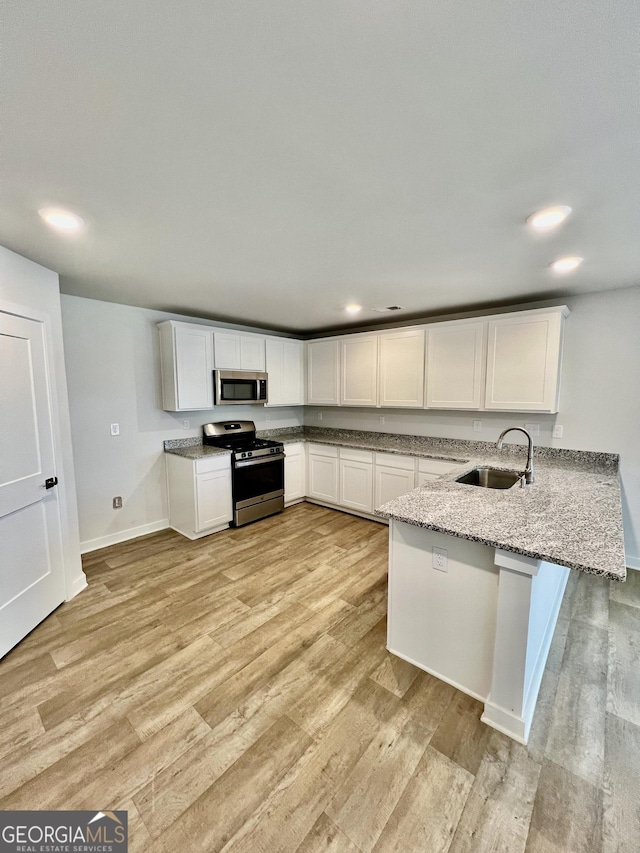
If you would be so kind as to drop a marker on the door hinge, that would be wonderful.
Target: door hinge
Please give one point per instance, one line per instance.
(51, 482)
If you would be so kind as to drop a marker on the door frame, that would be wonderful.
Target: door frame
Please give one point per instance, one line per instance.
(74, 578)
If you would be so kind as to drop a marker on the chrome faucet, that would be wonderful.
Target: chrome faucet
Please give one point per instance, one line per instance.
(528, 471)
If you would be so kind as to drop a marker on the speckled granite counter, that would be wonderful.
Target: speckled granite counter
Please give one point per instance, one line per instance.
(192, 448)
(571, 515)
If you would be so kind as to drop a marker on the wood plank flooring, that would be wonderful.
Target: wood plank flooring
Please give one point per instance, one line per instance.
(235, 694)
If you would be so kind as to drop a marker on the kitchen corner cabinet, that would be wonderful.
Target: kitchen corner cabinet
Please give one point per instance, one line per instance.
(395, 475)
(356, 480)
(285, 366)
(359, 370)
(295, 470)
(237, 351)
(186, 361)
(455, 365)
(524, 356)
(322, 472)
(199, 494)
(401, 369)
(323, 372)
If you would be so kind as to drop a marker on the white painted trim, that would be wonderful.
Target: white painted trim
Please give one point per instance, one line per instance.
(194, 536)
(533, 688)
(504, 721)
(633, 563)
(123, 536)
(517, 562)
(76, 586)
(439, 676)
(349, 511)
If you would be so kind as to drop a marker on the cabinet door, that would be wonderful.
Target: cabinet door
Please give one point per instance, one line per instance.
(323, 478)
(252, 353)
(455, 365)
(402, 369)
(227, 351)
(359, 374)
(213, 499)
(323, 361)
(285, 360)
(356, 485)
(523, 362)
(294, 473)
(194, 366)
(391, 483)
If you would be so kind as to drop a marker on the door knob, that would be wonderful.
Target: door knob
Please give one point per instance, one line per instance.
(51, 482)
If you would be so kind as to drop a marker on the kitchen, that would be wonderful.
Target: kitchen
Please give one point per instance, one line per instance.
(112, 355)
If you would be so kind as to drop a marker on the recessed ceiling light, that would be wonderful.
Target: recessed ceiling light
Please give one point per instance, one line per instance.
(564, 265)
(61, 220)
(550, 217)
(353, 308)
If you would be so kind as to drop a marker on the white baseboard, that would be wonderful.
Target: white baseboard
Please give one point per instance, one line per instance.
(123, 536)
(76, 586)
(633, 563)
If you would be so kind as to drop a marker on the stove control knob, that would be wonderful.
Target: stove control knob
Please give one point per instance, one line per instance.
(249, 453)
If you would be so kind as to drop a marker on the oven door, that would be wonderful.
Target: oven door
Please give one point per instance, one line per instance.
(257, 480)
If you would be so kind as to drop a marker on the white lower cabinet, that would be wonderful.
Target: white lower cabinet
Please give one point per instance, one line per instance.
(295, 471)
(356, 479)
(322, 481)
(394, 476)
(200, 499)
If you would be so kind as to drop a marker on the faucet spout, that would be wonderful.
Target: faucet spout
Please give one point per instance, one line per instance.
(528, 471)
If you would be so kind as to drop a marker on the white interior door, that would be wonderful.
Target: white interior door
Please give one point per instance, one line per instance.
(31, 563)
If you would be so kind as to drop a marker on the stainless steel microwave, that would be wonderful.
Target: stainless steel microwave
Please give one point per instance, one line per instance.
(239, 388)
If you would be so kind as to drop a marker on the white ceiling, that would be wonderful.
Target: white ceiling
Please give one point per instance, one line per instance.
(268, 162)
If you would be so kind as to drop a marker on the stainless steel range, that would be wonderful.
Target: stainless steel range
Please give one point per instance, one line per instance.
(257, 469)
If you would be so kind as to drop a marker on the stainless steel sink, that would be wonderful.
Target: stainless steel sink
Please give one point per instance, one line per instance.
(490, 478)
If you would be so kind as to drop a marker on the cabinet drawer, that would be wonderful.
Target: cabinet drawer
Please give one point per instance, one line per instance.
(214, 463)
(394, 460)
(323, 450)
(296, 449)
(436, 466)
(351, 455)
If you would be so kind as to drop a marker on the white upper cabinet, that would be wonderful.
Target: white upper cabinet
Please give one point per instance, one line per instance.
(186, 359)
(285, 366)
(238, 351)
(401, 373)
(359, 370)
(523, 361)
(323, 372)
(455, 365)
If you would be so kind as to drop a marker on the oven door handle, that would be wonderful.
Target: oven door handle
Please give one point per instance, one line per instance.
(262, 460)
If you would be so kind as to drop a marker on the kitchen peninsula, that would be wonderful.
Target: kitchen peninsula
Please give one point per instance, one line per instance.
(479, 612)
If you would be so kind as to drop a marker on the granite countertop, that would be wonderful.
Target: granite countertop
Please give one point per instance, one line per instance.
(571, 515)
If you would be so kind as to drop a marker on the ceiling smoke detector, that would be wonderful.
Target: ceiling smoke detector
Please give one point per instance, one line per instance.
(388, 308)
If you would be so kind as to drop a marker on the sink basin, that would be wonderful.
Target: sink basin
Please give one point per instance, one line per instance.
(490, 478)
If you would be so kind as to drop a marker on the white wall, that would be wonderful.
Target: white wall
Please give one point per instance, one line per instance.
(24, 283)
(113, 371)
(599, 400)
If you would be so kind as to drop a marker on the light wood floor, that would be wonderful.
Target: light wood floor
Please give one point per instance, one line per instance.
(235, 694)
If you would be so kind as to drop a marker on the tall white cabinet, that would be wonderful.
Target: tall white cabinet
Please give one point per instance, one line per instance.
(524, 355)
(323, 372)
(285, 367)
(359, 370)
(455, 365)
(401, 372)
(186, 358)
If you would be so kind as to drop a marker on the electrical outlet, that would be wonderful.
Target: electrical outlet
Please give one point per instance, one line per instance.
(117, 502)
(533, 430)
(557, 431)
(440, 559)
(381, 419)
(115, 429)
(477, 426)
(186, 424)
(319, 416)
